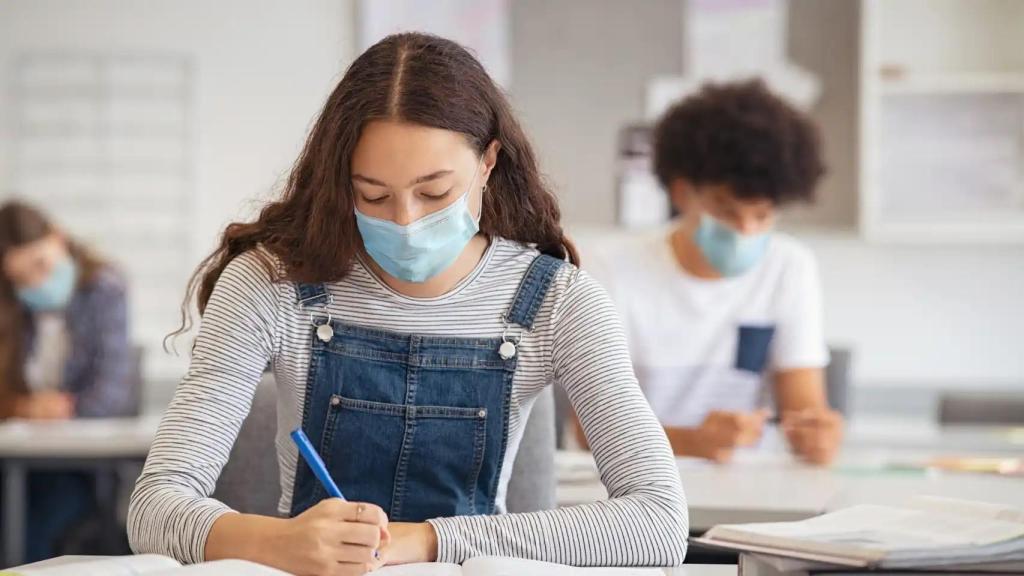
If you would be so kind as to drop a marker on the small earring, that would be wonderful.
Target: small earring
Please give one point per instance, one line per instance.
(484, 189)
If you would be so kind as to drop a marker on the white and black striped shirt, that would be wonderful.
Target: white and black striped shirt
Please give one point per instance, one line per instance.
(577, 340)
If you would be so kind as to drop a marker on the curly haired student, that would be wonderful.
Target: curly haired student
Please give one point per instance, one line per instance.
(722, 312)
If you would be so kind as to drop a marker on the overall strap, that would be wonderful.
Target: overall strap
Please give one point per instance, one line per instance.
(532, 290)
(310, 295)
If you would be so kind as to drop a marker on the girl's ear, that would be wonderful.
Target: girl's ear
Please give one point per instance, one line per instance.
(490, 158)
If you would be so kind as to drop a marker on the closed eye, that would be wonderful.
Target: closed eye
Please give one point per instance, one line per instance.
(378, 200)
(441, 196)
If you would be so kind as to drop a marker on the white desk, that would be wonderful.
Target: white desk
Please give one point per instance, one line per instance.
(686, 570)
(82, 438)
(74, 444)
(770, 485)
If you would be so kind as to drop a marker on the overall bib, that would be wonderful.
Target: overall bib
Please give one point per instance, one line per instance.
(416, 424)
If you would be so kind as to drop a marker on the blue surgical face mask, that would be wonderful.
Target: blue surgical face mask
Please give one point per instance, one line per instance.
(728, 251)
(422, 249)
(55, 292)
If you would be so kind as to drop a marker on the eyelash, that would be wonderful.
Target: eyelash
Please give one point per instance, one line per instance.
(428, 196)
(439, 196)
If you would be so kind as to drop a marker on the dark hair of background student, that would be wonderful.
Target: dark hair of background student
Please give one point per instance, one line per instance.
(743, 136)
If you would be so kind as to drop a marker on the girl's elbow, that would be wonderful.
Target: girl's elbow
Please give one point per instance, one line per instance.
(139, 523)
(673, 522)
(136, 539)
(675, 547)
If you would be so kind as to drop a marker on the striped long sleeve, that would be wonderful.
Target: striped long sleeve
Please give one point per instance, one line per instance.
(645, 520)
(171, 512)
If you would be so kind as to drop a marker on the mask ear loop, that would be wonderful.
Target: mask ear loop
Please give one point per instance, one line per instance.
(480, 216)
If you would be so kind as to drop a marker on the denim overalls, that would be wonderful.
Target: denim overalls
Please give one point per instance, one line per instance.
(416, 424)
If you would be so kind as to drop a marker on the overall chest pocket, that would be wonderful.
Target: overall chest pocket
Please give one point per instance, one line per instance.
(416, 462)
(752, 347)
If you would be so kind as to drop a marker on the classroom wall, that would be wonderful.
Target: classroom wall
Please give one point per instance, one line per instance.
(263, 69)
(579, 68)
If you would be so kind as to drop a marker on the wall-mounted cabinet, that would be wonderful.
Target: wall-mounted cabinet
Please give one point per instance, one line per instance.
(942, 121)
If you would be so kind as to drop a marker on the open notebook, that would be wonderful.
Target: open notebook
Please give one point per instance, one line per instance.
(143, 564)
(925, 533)
(153, 565)
(495, 566)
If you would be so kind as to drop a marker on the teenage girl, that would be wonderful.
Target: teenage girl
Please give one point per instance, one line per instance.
(413, 292)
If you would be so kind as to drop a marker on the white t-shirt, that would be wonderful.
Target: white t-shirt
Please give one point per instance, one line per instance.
(44, 368)
(700, 345)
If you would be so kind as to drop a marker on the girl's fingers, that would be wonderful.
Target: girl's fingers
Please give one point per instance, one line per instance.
(354, 554)
(361, 534)
(365, 513)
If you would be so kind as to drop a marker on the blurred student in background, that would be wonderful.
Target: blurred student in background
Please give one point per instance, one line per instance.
(64, 352)
(723, 312)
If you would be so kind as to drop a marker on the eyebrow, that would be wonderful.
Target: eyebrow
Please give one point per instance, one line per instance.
(420, 180)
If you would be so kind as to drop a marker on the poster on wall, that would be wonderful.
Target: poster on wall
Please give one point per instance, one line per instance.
(480, 25)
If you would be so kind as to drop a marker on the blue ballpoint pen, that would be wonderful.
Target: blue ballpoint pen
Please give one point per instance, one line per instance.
(316, 464)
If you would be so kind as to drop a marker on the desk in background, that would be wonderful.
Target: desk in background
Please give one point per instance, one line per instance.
(769, 485)
(83, 444)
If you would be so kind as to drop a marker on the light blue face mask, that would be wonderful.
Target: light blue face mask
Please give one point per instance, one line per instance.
(55, 292)
(728, 251)
(422, 249)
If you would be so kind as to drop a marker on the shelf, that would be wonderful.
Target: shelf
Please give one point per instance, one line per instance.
(955, 83)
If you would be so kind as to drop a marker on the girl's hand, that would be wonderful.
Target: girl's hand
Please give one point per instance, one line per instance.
(45, 406)
(333, 538)
(411, 542)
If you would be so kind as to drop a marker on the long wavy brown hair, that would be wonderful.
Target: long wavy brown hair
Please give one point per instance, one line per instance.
(415, 78)
(21, 224)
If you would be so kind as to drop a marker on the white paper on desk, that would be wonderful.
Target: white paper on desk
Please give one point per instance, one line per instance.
(883, 528)
(498, 566)
(105, 566)
(146, 565)
(421, 569)
(982, 510)
(221, 568)
(926, 533)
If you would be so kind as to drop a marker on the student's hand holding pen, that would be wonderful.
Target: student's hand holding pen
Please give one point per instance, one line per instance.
(334, 537)
(814, 434)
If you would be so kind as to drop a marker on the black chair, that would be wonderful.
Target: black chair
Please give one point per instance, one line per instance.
(981, 408)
